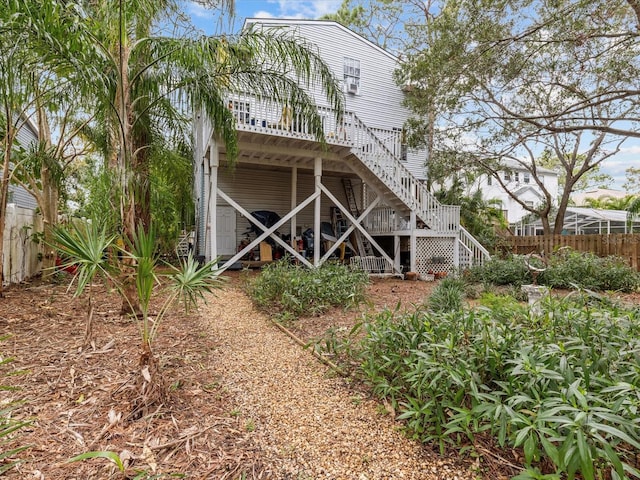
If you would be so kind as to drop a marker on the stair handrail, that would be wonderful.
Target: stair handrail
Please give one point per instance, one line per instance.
(479, 254)
(413, 193)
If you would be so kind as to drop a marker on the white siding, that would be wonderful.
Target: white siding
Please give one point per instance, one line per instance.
(17, 195)
(379, 101)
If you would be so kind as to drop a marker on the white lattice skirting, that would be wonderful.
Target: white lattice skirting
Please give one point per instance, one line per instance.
(434, 255)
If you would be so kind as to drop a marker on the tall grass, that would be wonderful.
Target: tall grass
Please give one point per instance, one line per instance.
(563, 387)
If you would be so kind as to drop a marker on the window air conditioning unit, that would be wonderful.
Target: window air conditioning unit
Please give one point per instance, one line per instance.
(352, 87)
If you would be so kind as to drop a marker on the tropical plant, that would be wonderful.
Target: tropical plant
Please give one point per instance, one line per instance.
(85, 248)
(448, 295)
(143, 85)
(560, 387)
(295, 290)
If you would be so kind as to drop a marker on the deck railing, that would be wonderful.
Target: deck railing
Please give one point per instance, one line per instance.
(380, 150)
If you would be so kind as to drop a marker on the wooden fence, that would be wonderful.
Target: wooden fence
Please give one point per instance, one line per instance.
(21, 259)
(625, 245)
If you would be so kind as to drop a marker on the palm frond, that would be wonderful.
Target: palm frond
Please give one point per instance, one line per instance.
(85, 247)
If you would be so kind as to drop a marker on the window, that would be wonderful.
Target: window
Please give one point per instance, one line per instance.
(526, 177)
(507, 176)
(516, 176)
(489, 179)
(528, 203)
(351, 75)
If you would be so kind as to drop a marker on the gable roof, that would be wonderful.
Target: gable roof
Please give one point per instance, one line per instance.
(283, 22)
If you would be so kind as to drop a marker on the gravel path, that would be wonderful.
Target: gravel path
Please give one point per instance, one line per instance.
(308, 423)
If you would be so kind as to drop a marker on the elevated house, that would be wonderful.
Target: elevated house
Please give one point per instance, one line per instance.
(362, 196)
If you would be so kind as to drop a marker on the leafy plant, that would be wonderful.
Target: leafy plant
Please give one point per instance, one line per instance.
(501, 271)
(563, 387)
(85, 248)
(287, 288)
(566, 269)
(448, 295)
(9, 427)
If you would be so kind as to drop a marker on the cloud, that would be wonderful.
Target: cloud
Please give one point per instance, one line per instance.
(633, 149)
(198, 11)
(290, 8)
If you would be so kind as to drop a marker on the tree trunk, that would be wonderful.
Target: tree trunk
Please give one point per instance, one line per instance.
(151, 388)
(4, 192)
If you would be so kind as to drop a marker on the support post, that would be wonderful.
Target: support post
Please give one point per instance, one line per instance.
(412, 241)
(214, 162)
(396, 253)
(317, 235)
(294, 203)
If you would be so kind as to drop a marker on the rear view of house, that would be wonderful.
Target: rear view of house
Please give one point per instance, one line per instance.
(362, 196)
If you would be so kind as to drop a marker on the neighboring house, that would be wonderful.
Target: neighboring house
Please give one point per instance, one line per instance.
(519, 181)
(21, 258)
(365, 189)
(579, 199)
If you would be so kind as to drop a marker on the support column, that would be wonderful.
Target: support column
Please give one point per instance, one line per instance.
(412, 241)
(317, 235)
(294, 202)
(396, 252)
(214, 162)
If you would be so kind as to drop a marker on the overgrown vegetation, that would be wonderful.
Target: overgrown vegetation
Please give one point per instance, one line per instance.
(563, 388)
(294, 290)
(566, 269)
(9, 426)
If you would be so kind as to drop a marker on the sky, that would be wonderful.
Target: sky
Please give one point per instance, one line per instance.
(209, 21)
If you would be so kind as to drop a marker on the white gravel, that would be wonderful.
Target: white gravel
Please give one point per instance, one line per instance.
(305, 419)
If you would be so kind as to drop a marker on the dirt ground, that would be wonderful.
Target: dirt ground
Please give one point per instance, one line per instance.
(80, 399)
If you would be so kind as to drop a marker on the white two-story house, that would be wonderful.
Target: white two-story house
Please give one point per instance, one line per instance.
(518, 180)
(365, 190)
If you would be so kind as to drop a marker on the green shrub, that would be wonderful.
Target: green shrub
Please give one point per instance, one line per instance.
(566, 269)
(448, 295)
(563, 386)
(501, 271)
(283, 287)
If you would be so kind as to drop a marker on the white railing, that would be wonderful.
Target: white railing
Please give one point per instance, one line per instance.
(470, 251)
(380, 150)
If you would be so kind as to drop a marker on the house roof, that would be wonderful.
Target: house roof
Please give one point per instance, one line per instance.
(528, 188)
(512, 164)
(324, 23)
(597, 194)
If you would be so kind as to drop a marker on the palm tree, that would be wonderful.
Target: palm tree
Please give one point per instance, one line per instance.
(633, 210)
(145, 86)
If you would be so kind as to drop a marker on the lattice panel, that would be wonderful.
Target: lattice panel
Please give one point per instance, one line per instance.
(434, 255)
